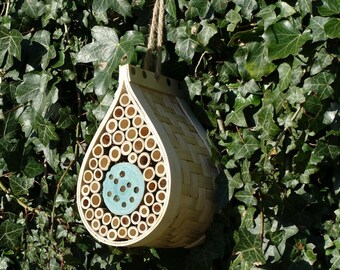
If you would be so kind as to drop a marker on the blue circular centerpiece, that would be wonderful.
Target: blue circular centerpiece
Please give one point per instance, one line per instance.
(123, 188)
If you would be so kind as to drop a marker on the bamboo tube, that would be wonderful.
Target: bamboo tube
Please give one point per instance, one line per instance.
(126, 148)
(122, 233)
(150, 143)
(142, 227)
(111, 125)
(160, 196)
(156, 155)
(137, 121)
(138, 145)
(144, 131)
(105, 139)
(157, 208)
(98, 151)
(124, 100)
(132, 157)
(98, 174)
(144, 211)
(115, 222)
(114, 153)
(148, 199)
(162, 183)
(85, 202)
(118, 113)
(103, 231)
(151, 219)
(135, 218)
(125, 221)
(130, 111)
(118, 137)
(95, 224)
(112, 234)
(89, 214)
(95, 186)
(98, 213)
(151, 186)
(132, 232)
(107, 218)
(85, 190)
(131, 134)
(93, 163)
(160, 169)
(104, 162)
(143, 160)
(88, 176)
(96, 200)
(149, 174)
(124, 124)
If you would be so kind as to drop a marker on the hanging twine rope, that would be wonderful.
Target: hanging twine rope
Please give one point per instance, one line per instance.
(156, 29)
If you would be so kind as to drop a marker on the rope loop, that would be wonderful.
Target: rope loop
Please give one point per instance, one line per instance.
(156, 30)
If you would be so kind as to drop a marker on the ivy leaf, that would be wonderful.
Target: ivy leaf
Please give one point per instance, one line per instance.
(285, 75)
(46, 130)
(265, 123)
(329, 7)
(317, 25)
(249, 87)
(295, 95)
(335, 260)
(171, 8)
(237, 116)
(100, 8)
(233, 18)
(66, 118)
(243, 147)
(258, 63)
(207, 32)
(21, 184)
(185, 47)
(304, 7)
(324, 150)
(108, 52)
(220, 5)
(320, 84)
(43, 38)
(322, 60)
(249, 246)
(247, 195)
(33, 168)
(283, 39)
(33, 8)
(194, 86)
(247, 7)
(10, 234)
(202, 7)
(10, 41)
(332, 28)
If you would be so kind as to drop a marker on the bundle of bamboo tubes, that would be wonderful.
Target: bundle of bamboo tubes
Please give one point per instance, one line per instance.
(146, 179)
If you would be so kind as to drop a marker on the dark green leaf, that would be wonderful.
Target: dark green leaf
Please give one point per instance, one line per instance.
(247, 7)
(33, 168)
(258, 63)
(317, 25)
(285, 75)
(66, 118)
(21, 184)
(207, 32)
(320, 84)
(265, 123)
(10, 41)
(305, 7)
(10, 234)
(329, 7)
(33, 8)
(185, 47)
(237, 116)
(249, 245)
(332, 28)
(194, 86)
(233, 18)
(324, 150)
(249, 88)
(283, 39)
(46, 130)
(171, 8)
(243, 147)
(247, 195)
(220, 5)
(201, 5)
(322, 60)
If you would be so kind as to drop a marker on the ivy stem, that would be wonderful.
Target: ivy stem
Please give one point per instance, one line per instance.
(199, 62)
(20, 202)
(57, 192)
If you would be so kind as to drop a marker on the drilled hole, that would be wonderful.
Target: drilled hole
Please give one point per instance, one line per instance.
(122, 174)
(116, 198)
(109, 194)
(144, 74)
(116, 181)
(132, 199)
(124, 204)
(136, 190)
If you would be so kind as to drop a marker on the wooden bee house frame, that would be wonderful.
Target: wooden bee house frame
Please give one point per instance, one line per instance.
(146, 178)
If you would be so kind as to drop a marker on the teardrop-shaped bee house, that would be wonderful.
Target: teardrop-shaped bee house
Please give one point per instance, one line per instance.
(146, 178)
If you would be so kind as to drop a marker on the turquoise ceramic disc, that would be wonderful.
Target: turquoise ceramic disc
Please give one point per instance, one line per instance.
(123, 188)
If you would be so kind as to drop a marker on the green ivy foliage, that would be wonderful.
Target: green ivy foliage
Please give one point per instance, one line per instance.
(262, 77)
